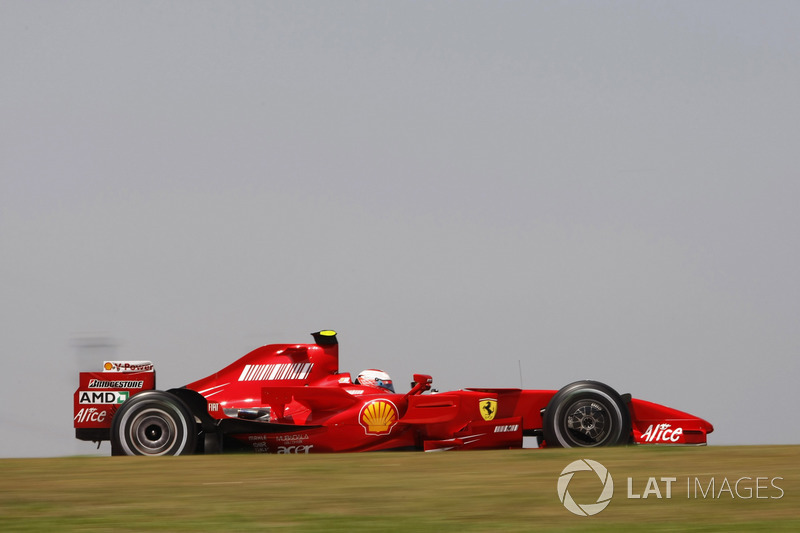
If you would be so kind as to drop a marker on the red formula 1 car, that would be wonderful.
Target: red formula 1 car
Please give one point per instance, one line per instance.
(291, 398)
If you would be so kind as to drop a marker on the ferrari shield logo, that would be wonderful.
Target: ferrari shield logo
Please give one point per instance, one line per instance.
(488, 408)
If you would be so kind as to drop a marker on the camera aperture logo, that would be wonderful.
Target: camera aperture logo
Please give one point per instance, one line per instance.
(585, 509)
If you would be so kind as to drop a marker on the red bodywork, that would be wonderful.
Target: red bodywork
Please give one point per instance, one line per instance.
(291, 398)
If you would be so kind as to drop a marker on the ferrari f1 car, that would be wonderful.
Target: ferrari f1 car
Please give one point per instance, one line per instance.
(291, 398)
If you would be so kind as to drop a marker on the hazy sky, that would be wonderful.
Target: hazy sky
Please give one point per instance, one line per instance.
(603, 190)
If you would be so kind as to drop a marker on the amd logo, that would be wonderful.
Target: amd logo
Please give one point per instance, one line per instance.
(102, 397)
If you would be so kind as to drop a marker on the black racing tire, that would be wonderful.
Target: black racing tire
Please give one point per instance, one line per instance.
(212, 442)
(586, 414)
(153, 423)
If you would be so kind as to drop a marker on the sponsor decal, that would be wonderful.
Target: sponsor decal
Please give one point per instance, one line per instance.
(90, 414)
(506, 429)
(276, 372)
(128, 366)
(378, 417)
(488, 407)
(295, 449)
(662, 433)
(260, 444)
(355, 392)
(293, 438)
(104, 398)
(586, 509)
(213, 407)
(102, 384)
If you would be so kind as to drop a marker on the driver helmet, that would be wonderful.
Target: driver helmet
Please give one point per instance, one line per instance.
(375, 378)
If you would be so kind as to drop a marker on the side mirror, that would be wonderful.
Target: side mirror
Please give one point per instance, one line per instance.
(421, 383)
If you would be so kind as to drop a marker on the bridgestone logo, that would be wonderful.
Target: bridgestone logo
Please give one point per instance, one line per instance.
(99, 384)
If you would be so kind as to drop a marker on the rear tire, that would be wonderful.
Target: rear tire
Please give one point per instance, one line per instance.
(212, 442)
(586, 414)
(153, 423)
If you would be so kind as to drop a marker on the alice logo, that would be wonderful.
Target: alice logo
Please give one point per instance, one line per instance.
(378, 417)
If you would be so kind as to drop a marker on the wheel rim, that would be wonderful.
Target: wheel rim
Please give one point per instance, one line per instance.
(588, 423)
(153, 432)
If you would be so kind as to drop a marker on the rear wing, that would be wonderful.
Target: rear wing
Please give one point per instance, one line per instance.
(100, 394)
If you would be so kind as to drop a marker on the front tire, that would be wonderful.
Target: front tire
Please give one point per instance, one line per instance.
(153, 423)
(586, 414)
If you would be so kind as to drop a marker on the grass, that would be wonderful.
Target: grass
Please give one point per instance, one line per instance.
(512, 490)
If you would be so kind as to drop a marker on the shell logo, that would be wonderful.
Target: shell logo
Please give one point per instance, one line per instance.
(108, 366)
(378, 417)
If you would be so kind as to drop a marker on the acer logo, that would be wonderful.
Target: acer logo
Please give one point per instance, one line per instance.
(305, 448)
(662, 433)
